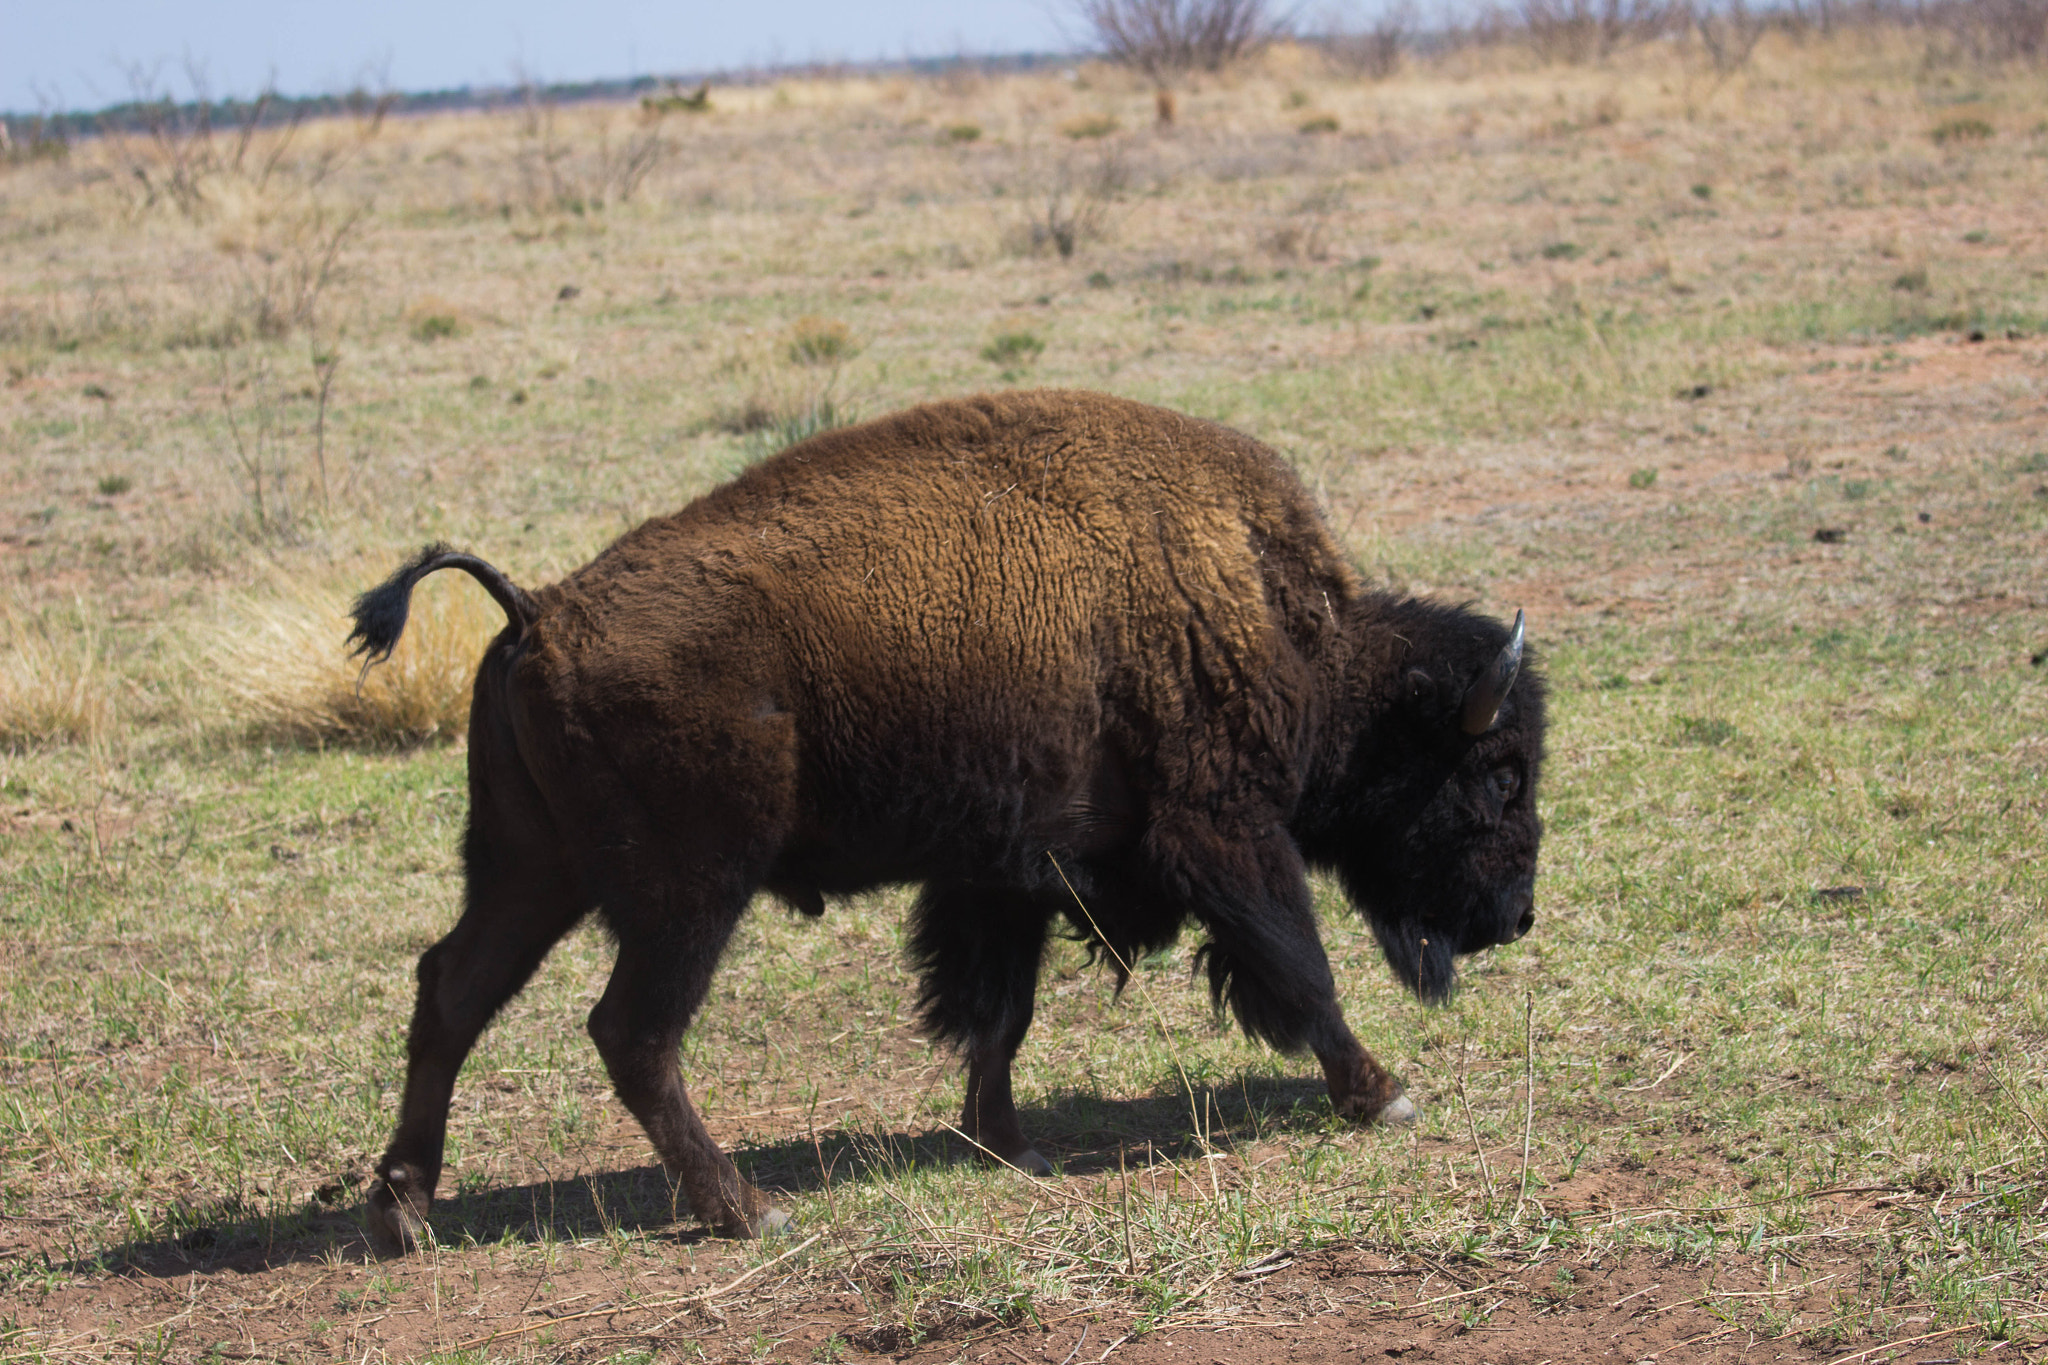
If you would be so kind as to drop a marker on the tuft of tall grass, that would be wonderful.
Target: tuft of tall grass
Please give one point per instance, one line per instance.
(55, 685)
(284, 674)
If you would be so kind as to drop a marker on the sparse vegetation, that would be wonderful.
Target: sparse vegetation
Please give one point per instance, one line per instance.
(1010, 349)
(821, 341)
(1774, 1051)
(1964, 128)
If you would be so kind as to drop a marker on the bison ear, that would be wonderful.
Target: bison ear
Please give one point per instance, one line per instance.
(1490, 688)
(1420, 685)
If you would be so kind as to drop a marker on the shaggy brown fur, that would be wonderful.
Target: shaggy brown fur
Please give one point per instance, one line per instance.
(1050, 655)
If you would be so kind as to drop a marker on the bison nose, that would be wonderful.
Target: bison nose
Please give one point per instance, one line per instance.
(1525, 923)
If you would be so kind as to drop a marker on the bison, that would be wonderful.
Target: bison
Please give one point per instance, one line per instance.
(1051, 656)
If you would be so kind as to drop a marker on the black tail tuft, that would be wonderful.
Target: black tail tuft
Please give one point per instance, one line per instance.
(380, 614)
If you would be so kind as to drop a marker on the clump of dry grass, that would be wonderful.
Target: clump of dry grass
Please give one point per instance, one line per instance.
(821, 341)
(55, 685)
(285, 675)
(434, 318)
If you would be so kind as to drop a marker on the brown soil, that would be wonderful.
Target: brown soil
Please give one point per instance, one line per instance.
(1333, 1302)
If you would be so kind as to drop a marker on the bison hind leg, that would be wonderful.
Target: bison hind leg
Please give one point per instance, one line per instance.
(978, 949)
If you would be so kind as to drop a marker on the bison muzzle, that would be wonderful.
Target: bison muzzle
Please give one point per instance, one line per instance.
(1051, 656)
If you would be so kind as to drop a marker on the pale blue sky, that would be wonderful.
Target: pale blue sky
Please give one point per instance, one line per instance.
(76, 53)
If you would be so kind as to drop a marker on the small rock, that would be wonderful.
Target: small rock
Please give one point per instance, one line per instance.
(567, 292)
(1926, 517)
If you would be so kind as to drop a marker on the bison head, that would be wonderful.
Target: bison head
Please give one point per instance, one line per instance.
(1433, 824)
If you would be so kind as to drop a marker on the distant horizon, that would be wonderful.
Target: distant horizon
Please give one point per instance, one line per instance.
(93, 55)
(482, 93)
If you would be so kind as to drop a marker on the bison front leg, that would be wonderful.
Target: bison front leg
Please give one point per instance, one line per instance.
(979, 951)
(656, 987)
(1265, 958)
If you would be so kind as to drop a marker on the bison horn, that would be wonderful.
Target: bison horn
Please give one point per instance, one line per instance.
(1490, 688)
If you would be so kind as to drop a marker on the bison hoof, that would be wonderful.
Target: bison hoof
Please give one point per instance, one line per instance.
(1031, 1163)
(771, 1223)
(1395, 1112)
(398, 1218)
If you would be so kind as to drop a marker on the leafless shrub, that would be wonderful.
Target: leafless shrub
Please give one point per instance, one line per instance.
(1166, 39)
(556, 175)
(1373, 52)
(287, 266)
(1577, 31)
(1996, 31)
(1729, 33)
(184, 154)
(1071, 205)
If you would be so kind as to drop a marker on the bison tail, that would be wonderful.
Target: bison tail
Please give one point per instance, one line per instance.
(381, 612)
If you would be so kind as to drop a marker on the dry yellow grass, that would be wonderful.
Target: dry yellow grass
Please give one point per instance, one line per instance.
(55, 684)
(281, 668)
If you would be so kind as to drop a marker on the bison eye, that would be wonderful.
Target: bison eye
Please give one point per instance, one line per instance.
(1506, 782)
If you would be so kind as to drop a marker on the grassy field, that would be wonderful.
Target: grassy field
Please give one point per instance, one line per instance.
(1738, 383)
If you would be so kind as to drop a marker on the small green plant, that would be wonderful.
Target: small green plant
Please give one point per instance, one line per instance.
(1320, 123)
(435, 326)
(1703, 191)
(1643, 478)
(1911, 281)
(1011, 349)
(779, 432)
(1977, 237)
(1561, 251)
(114, 485)
(1089, 126)
(963, 132)
(1709, 732)
(821, 341)
(1099, 279)
(1962, 128)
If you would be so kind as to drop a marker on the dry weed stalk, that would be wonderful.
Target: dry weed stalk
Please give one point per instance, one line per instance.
(283, 672)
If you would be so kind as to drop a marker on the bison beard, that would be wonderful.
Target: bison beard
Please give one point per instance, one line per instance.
(1054, 657)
